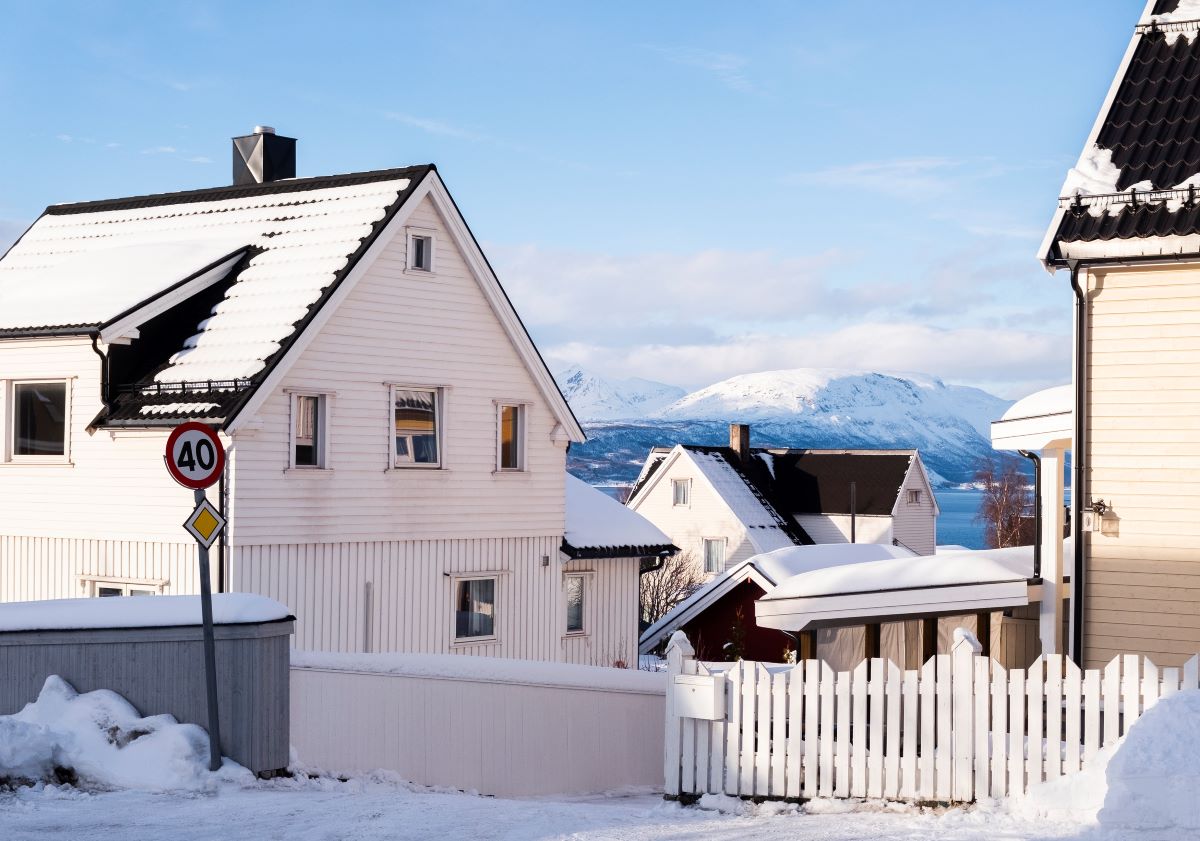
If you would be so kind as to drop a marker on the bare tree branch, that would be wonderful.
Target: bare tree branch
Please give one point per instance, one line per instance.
(1006, 495)
(664, 588)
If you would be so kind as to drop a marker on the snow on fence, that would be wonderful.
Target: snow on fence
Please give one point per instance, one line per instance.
(492, 725)
(959, 728)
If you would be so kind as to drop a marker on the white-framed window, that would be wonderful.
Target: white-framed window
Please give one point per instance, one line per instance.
(474, 609)
(38, 416)
(417, 427)
(575, 589)
(107, 587)
(421, 243)
(914, 497)
(681, 492)
(510, 442)
(310, 431)
(714, 554)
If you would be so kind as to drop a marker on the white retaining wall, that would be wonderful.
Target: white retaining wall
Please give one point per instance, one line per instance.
(500, 727)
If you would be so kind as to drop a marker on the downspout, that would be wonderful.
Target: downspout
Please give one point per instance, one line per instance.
(103, 373)
(1078, 448)
(1037, 513)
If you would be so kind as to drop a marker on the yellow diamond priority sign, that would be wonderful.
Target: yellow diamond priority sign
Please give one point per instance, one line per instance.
(205, 524)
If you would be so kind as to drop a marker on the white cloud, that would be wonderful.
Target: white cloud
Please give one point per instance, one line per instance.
(1010, 362)
(900, 176)
(431, 126)
(160, 150)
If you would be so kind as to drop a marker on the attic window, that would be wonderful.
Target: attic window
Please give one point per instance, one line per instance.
(914, 497)
(420, 251)
(681, 492)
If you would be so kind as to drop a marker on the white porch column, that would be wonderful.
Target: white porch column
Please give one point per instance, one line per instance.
(1051, 619)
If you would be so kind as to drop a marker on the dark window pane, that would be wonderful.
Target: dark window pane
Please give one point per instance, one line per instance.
(105, 592)
(416, 427)
(475, 608)
(421, 253)
(307, 422)
(575, 603)
(40, 428)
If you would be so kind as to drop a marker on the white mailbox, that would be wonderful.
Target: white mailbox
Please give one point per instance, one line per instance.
(700, 696)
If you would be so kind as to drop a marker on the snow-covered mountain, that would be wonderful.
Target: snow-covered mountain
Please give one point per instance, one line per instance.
(595, 398)
(805, 407)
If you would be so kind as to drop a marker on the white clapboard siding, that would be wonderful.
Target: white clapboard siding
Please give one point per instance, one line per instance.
(610, 614)
(416, 329)
(37, 568)
(960, 728)
(113, 486)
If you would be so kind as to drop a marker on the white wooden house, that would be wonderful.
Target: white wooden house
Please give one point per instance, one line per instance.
(396, 445)
(724, 505)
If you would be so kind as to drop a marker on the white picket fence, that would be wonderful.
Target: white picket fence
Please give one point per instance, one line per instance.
(959, 728)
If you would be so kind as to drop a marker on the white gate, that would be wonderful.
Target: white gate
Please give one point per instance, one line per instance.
(961, 727)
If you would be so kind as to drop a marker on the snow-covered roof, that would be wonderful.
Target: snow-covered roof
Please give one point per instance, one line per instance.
(1132, 191)
(949, 582)
(137, 612)
(1035, 421)
(767, 570)
(83, 265)
(765, 528)
(599, 526)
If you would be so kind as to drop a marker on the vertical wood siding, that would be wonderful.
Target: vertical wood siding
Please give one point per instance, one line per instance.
(410, 602)
(1143, 411)
(403, 328)
(610, 620)
(35, 568)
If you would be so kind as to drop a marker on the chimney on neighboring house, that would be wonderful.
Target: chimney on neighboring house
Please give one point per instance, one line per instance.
(263, 156)
(739, 439)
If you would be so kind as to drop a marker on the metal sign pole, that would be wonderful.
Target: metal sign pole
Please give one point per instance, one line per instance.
(210, 654)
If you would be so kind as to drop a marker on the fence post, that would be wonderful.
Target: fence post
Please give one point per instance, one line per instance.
(962, 683)
(678, 650)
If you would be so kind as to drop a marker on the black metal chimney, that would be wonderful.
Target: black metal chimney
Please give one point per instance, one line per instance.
(263, 156)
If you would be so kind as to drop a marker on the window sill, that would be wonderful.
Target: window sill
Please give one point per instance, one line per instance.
(405, 468)
(420, 272)
(36, 462)
(575, 635)
(503, 472)
(464, 643)
(308, 471)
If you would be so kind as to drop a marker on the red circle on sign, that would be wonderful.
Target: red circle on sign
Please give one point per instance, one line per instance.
(185, 457)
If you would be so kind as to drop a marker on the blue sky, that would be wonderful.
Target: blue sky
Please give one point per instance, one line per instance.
(682, 191)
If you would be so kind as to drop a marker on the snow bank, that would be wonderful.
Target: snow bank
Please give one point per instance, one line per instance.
(139, 612)
(488, 669)
(99, 739)
(596, 520)
(1154, 775)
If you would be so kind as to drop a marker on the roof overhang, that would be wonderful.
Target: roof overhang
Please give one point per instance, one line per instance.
(1042, 420)
(839, 609)
(577, 553)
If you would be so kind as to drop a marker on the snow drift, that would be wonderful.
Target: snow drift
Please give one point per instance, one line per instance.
(98, 740)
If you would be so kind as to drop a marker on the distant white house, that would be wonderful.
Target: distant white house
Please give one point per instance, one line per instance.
(723, 505)
(396, 470)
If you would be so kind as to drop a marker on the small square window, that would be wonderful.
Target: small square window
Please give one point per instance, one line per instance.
(475, 608)
(914, 497)
(714, 554)
(308, 430)
(39, 419)
(681, 491)
(417, 427)
(512, 437)
(575, 595)
(109, 589)
(420, 252)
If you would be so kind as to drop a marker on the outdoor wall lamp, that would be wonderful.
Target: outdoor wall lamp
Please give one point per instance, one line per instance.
(1104, 519)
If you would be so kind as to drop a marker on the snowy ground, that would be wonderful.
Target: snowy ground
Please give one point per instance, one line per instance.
(365, 810)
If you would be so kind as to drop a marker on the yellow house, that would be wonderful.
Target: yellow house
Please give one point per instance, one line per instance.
(1127, 235)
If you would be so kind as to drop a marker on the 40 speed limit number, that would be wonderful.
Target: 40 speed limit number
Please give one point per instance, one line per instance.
(195, 457)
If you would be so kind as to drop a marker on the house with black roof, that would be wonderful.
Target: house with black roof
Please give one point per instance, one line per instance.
(1126, 236)
(726, 504)
(396, 446)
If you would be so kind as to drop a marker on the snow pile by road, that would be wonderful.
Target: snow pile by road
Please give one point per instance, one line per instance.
(1146, 783)
(99, 741)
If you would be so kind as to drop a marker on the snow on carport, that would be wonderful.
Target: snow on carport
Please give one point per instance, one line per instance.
(949, 583)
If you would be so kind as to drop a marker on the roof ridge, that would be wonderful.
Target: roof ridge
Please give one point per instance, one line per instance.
(236, 191)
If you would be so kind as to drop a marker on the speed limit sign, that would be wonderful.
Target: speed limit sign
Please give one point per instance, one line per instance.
(195, 457)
